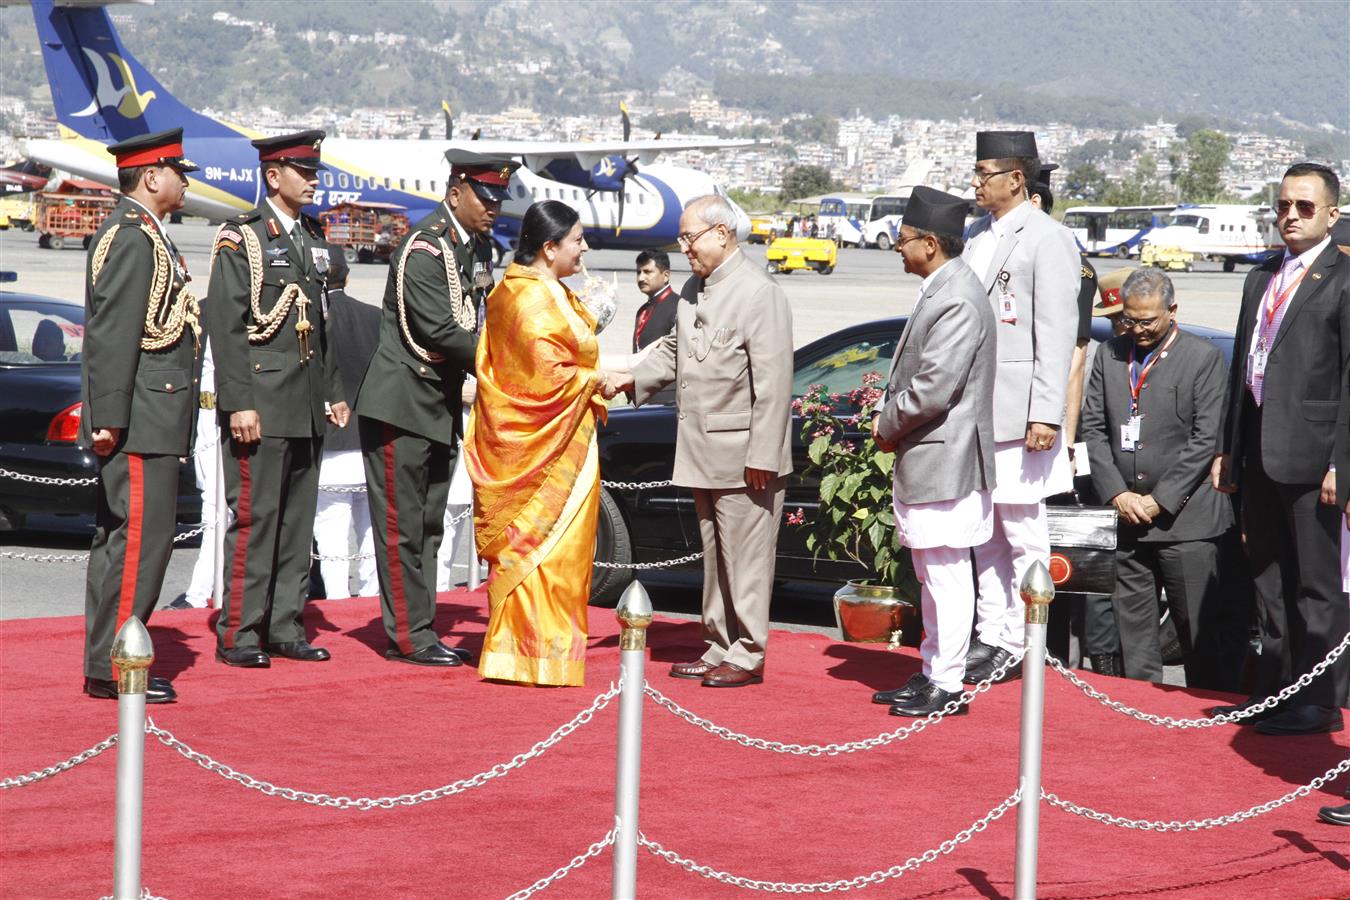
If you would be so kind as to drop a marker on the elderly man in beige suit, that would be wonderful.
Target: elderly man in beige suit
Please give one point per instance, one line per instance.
(730, 358)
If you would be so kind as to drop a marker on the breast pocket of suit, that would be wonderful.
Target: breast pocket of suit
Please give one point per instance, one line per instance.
(167, 390)
(424, 371)
(268, 364)
(1320, 410)
(165, 380)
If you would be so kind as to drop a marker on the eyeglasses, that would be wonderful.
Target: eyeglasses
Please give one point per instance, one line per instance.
(1127, 322)
(1306, 208)
(687, 240)
(982, 178)
(903, 241)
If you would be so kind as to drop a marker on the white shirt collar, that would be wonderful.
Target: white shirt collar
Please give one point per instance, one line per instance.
(923, 287)
(1308, 256)
(287, 223)
(459, 229)
(1014, 216)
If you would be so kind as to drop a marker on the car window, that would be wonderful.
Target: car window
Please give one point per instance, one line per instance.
(841, 367)
(33, 333)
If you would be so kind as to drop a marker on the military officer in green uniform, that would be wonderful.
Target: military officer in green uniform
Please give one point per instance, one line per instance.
(409, 407)
(276, 384)
(140, 365)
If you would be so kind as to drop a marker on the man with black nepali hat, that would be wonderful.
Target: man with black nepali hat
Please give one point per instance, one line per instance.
(139, 369)
(276, 388)
(937, 415)
(411, 400)
(1030, 267)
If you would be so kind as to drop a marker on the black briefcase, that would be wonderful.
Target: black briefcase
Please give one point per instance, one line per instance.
(1082, 548)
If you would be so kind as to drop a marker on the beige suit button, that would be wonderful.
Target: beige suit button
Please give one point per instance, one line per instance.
(691, 354)
(684, 384)
(698, 324)
(681, 415)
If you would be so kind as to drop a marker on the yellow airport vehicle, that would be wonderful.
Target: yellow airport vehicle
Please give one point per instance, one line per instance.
(766, 229)
(18, 211)
(1167, 258)
(786, 254)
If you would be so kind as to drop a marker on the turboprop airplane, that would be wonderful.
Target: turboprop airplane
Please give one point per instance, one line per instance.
(102, 94)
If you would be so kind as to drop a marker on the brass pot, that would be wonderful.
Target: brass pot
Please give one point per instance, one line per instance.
(874, 613)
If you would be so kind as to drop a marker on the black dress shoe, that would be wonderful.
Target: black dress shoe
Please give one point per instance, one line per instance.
(1243, 707)
(301, 650)
(464, 655)
(927, 700)
(978, 673)
(157, 691)
(917, 682)
(1335, 815)
(181, 602)
(243, 657)
(979, 651)
(436, 654)
(1305, 719)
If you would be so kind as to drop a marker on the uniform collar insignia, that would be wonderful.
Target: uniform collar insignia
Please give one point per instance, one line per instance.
(276, 251)
(1316, 276)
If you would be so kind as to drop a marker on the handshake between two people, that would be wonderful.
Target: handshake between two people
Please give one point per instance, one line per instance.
(614, 383)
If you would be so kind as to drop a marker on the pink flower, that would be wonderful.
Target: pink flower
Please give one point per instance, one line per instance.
(871, 378)
(797, 406)
(797, 518)
(823, 431)
(846, 447)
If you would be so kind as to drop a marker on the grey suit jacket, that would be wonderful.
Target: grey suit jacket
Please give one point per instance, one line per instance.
(1182, 405)
(730, 357)
(1037, 259)
(939, 409)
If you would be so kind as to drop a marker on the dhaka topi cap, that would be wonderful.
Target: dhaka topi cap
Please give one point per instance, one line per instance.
(1004, 144)
(936, 211)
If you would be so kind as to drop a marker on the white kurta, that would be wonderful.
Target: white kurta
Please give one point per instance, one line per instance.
(965, 522)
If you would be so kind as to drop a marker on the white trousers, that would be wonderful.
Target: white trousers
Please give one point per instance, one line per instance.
(1021, 536)
(948, 606)
(204, 463)
(1345, 559)
(336, 514)
(456, 532)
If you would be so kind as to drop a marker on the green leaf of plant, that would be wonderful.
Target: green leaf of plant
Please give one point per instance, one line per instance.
(828, 486)
(816, 452)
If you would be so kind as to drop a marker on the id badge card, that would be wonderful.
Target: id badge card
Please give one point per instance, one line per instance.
(1259, 363)
(1007, 302)
(1129, 433)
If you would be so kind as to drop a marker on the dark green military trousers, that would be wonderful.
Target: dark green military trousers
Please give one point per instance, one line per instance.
(133, 536)
(408, 479)
(272, 488)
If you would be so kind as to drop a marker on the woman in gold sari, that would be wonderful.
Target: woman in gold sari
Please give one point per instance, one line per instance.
(531, 453)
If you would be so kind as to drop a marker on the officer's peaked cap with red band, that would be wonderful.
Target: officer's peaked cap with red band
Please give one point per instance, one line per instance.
(489, 176)
(163, 148)
(299, 149)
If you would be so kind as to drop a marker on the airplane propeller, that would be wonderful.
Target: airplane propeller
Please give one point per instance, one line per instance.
(449, 121)
(629, 171)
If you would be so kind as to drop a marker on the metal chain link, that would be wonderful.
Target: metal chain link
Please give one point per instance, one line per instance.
(1196, 824)
(145, 895)
(871, 743)
(1169, 722)
(845, 884)
(576, 863)
(82, 557)
(58, 768)
(354, 557)
(663, 564)
(635, 485)
(411, 799)
(42, 479)
(343, 488)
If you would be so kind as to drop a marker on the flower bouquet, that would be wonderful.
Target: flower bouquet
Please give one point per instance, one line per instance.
(600, 297)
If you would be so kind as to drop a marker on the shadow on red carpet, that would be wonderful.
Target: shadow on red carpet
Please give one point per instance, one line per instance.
(360, 726)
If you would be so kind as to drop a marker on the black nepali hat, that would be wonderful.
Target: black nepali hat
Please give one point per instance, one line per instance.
(936, 211)
(298, 149)
(488, 176)
(1044, 177)
(1004, 144)
(162, 148)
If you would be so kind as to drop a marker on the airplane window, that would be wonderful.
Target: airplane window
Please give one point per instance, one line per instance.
(327, 178)
(520, 192)
(548, 193)
(642, 199)
(402, 185)
(417, 184)
(342, 179)
(534, 193)
(386, 184)
(576, 195)
(433, 185)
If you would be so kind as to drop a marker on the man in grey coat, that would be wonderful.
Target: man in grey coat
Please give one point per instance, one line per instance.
(1150, 421)
(938, 418)
(1030, 269)
(730, 359)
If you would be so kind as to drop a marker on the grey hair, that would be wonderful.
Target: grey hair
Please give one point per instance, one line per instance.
(1149, 282)
(714, 209)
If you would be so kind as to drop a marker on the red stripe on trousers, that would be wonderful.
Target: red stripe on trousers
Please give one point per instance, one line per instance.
(399, 598)
(238, 566)
(131, 559)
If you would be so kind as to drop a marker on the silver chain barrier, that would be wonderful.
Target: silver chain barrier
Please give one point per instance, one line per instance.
(1227, 718)
(558, 874)
(366, 803)
(1196, 824)
(82, 557)
(844, 884)
(818, 750)
(635, 485)
(663, 564)
(343, 488)
(42, 479)
(58, 768)
(145, 895)
(338, 489)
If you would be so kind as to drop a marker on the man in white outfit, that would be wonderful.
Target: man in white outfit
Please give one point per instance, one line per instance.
(205, 449)
(456, 523)
(1030, 268)
(938, 417)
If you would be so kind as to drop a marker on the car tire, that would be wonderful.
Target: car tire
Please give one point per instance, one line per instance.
(613, 544)
(45, 241)
(825, 270)
(883, 241)
(1229, 264)
(56, 242)
(1122, 252)
(351, 255)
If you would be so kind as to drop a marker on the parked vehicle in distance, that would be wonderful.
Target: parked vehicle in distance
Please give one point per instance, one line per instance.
(1114, 230)
(787, 254)
(366, 232)
(1228, 233)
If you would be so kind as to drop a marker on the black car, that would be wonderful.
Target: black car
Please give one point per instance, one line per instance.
(657, 524)
(41, 339)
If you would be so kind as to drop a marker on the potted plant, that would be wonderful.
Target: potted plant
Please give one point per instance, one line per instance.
(855, 520)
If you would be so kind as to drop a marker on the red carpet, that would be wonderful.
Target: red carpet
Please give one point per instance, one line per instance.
(359, 726)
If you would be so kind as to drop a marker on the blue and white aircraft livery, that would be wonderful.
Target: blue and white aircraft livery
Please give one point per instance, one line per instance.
(103, 95)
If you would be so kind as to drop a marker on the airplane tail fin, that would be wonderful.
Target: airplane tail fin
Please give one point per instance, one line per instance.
(99, 90)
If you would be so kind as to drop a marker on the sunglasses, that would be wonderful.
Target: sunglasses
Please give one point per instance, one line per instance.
(1306, 208)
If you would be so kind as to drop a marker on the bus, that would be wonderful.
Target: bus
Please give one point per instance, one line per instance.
(862, 220)
(1114, 230)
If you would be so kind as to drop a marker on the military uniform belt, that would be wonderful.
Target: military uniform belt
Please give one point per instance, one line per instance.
(206, 400)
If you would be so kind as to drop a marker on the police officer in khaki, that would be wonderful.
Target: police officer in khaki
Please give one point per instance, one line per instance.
(410, 406)
(140, 365)
(275, 385)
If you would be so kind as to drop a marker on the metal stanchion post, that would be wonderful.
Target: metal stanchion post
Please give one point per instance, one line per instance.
(634, 614)
(475, 564)
(218, 529)
(132, 654)
(1037, 592)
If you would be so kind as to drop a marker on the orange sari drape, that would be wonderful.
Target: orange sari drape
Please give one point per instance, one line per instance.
(530, 451)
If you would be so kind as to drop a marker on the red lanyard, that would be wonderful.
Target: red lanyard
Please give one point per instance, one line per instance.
(1280, 298)
(1150, 360)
